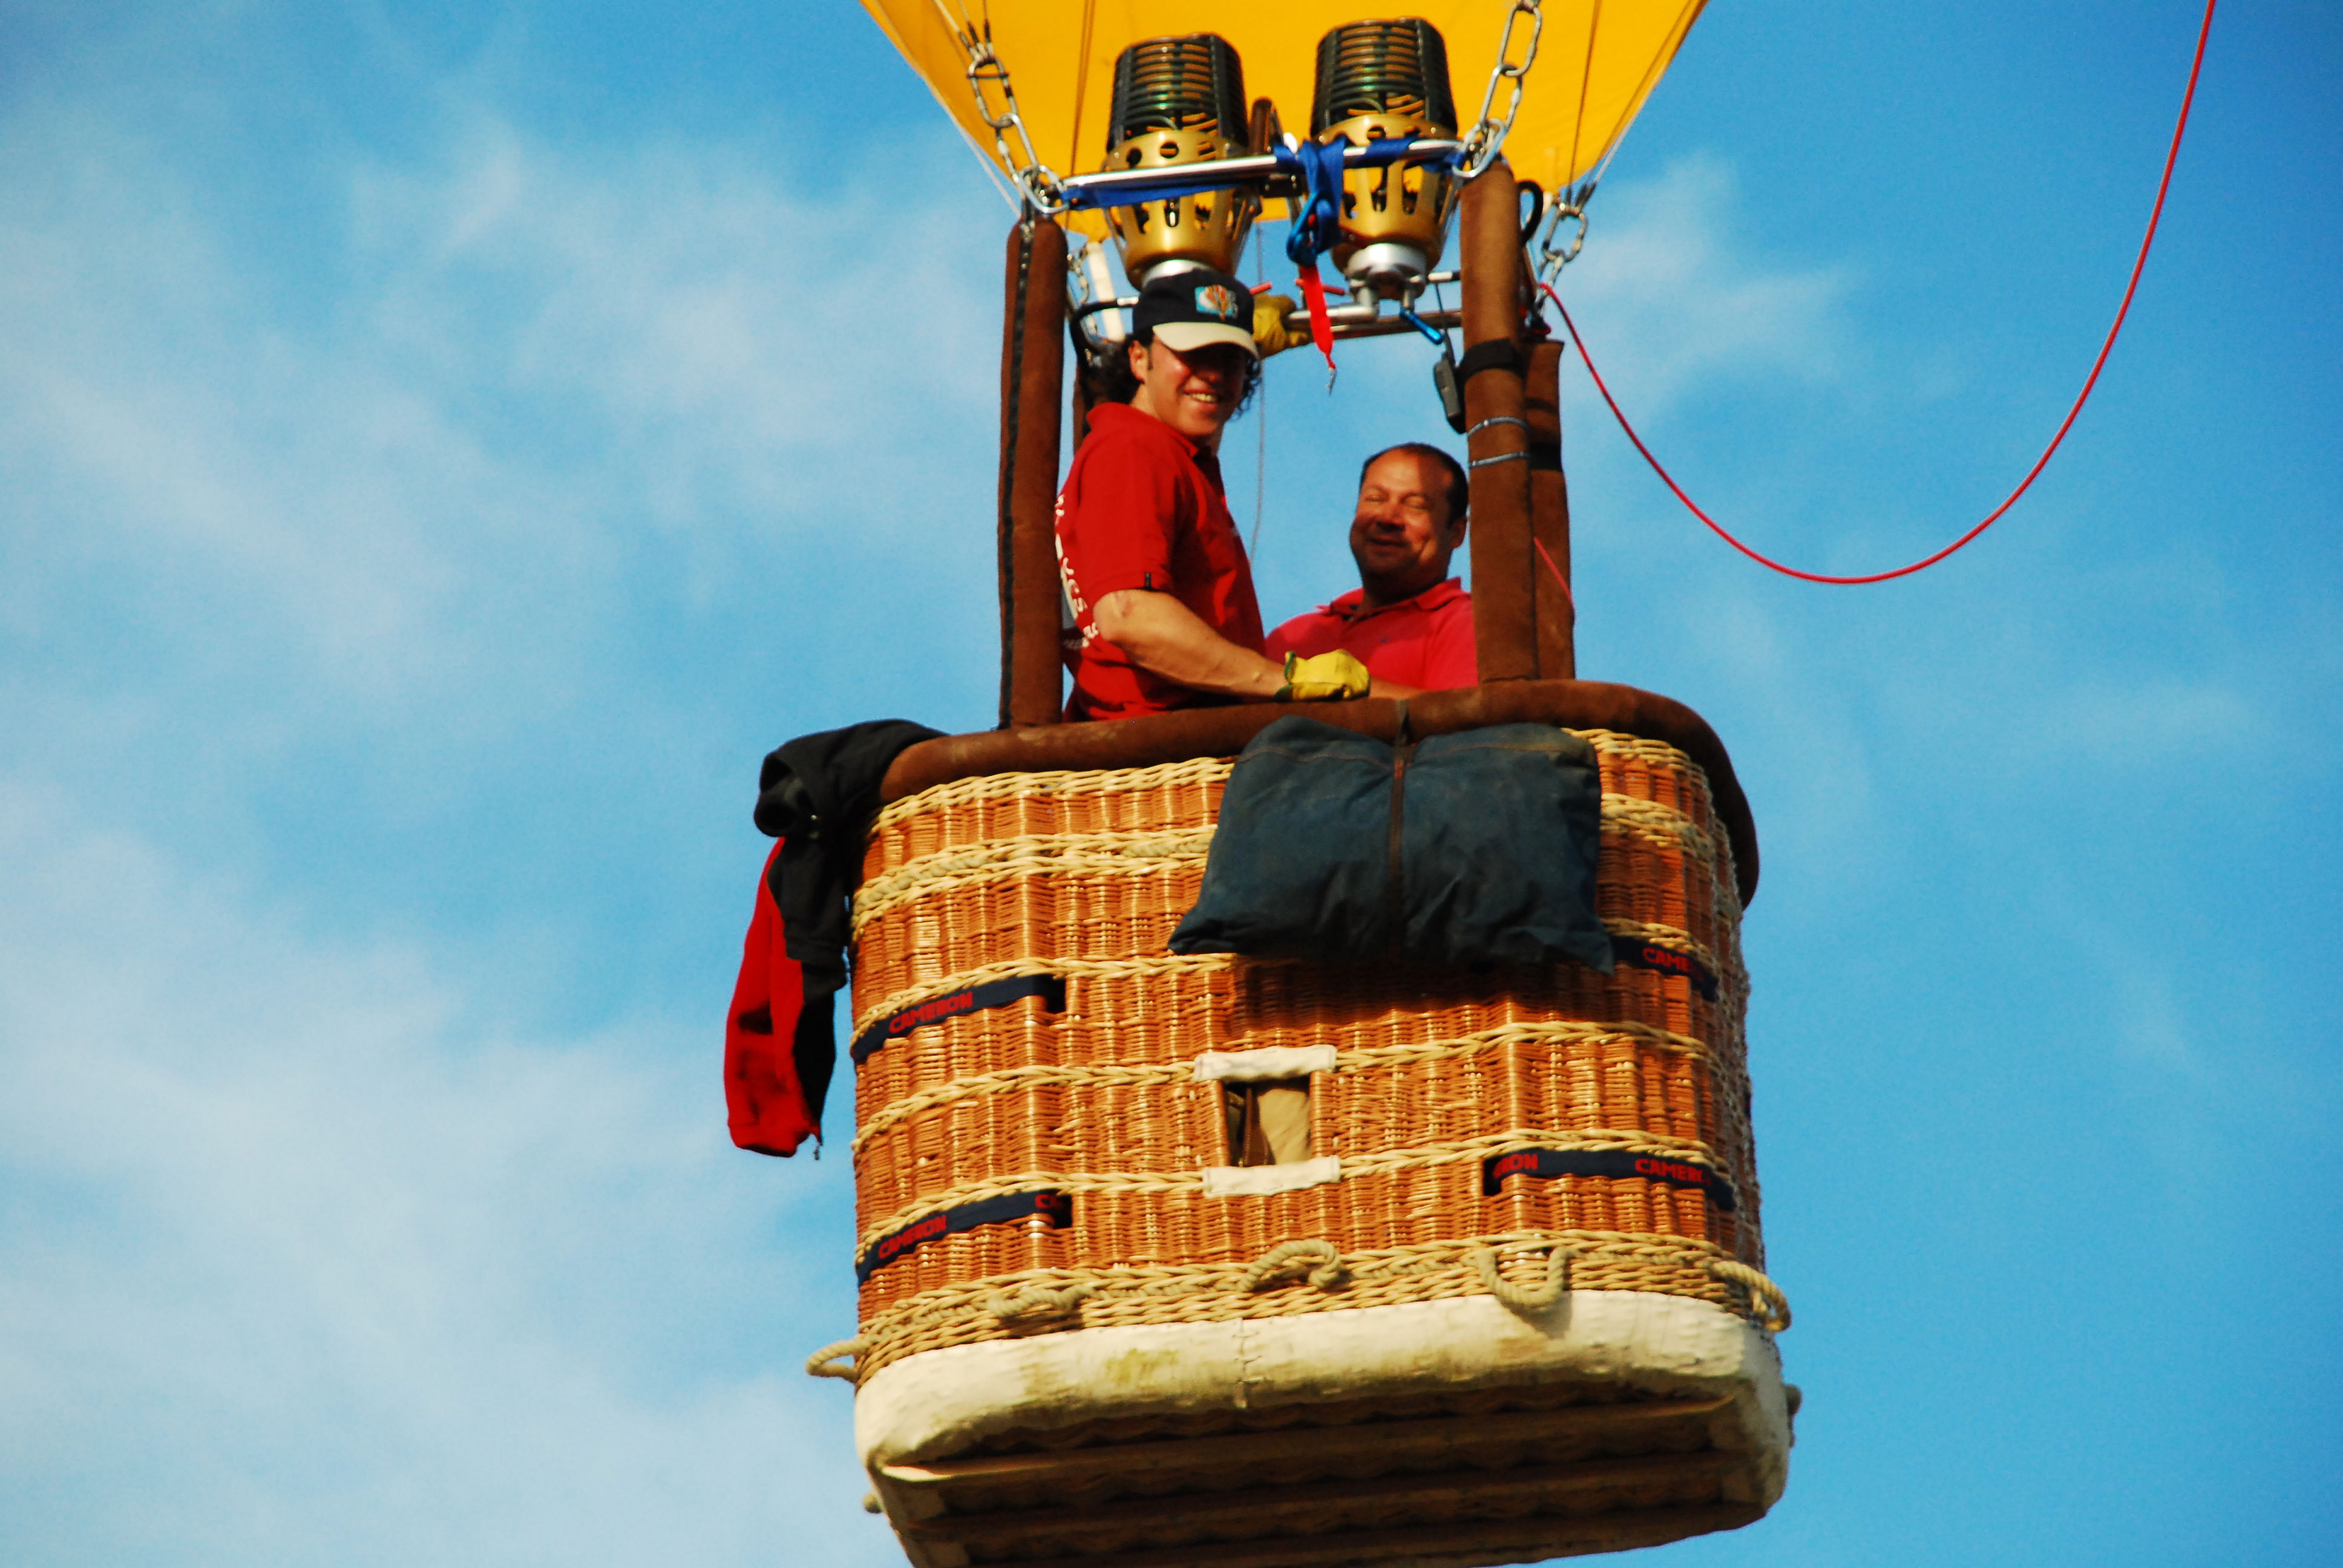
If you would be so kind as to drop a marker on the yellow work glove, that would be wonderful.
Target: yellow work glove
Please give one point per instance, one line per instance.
(1323, 678)
(1269, 333)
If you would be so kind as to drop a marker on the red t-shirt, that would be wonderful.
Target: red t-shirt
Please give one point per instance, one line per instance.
(1143, 509)
(1424, 641)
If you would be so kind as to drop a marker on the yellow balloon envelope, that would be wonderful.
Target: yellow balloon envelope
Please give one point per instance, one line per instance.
(1597, 61)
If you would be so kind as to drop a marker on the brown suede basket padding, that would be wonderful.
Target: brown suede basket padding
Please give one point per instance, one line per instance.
(1223, 733)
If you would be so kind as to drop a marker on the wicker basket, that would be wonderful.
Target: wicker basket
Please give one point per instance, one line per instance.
(1036, 1171)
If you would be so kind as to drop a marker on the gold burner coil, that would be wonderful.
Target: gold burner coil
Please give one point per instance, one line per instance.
(1179, 101)
(1379, 80)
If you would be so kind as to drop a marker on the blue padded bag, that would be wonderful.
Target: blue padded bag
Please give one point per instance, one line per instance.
(1498, 832)
(1300, 864)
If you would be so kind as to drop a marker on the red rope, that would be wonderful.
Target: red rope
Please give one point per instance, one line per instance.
(2153, 217)
(1560, 581)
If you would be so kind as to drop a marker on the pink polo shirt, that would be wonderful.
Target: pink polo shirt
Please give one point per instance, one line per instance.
(1424, 641)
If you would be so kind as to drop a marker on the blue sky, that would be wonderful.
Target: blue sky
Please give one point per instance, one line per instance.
(443, 446)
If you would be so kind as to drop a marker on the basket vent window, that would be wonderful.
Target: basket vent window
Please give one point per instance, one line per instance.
(1269, 1124)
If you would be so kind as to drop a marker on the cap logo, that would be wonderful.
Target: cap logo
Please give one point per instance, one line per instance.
(1216, 299)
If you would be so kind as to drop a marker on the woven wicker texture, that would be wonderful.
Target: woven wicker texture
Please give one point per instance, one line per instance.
(1083, 875)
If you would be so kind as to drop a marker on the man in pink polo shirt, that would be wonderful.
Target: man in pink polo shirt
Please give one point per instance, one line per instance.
(1409, 622)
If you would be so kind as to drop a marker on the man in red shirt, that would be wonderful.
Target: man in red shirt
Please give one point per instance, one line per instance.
(1409, 622)
(1151, 562)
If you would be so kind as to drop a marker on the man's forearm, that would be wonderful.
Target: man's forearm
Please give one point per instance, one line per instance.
(1165, 638)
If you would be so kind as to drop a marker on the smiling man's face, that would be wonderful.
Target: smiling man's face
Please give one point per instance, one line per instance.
(1196, 392)
(1402, 534)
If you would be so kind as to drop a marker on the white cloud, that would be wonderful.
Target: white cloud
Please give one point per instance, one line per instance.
(320, 1250)
(747, 340)
(323, 1249)
(428, 446)
(1676, 300)
(317, 1267)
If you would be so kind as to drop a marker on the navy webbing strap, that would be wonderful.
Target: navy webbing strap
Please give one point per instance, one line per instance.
(1497, 354)
(1055, 1208)
(1617, 1164)
(1638, 953)
(1051, 989)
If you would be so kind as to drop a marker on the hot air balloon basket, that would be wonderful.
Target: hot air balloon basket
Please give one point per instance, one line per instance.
(1521, 1185)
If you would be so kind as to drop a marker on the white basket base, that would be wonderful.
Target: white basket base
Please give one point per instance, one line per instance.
(1615, 1419)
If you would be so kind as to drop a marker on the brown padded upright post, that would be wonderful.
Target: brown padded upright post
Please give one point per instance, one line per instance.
(1505, 604)
(1557, 616)
(1033, 379)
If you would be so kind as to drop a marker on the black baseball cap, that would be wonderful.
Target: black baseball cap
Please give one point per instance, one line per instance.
(1190, 309)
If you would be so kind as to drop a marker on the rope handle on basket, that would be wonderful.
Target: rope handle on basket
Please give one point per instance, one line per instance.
(1528, 1298)
(1286, 1259)
(835, 1361)
(1037, 1301)
(1765, 1298)
(1291, 1258)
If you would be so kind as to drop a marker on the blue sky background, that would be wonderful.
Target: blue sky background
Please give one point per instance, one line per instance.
(442, 446)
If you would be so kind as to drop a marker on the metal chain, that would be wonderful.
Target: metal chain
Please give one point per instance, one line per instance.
(1036, 180)
(1487, 137)
(1568, 206)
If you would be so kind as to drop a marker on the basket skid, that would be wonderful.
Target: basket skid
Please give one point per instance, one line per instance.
(1450, 1432)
